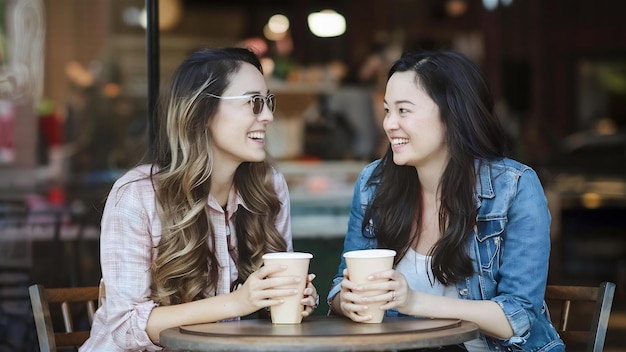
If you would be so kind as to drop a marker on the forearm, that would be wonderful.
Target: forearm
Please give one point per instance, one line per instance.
(488, 315)
(206, 310)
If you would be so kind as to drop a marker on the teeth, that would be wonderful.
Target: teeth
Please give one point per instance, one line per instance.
(397, 141)
(256, 135)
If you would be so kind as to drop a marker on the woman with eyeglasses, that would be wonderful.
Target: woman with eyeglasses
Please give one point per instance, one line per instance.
(183, 233)
(471, 227)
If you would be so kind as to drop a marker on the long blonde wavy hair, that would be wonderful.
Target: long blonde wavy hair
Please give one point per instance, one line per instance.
(184, 265)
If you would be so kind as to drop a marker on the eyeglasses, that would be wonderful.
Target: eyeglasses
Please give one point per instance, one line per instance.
(257, 101)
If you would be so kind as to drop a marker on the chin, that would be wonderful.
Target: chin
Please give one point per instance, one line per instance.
(398, 160)
(257, 158)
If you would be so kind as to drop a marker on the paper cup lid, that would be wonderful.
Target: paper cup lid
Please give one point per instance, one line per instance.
(288, 255)
(370, 253)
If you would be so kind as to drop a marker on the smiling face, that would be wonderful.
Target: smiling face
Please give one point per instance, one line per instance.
(413, 124)
(238, 134)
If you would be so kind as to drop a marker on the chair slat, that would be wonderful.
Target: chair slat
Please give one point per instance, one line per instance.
(75, 294)
(43, 321)
(41, 298)
(102, 292)
(67, 317)
(602, 295)
(91, 310)
(565, 314)
(574, 293)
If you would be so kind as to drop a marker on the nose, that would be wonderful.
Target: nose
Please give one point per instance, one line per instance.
(390, 122)
(266, 115)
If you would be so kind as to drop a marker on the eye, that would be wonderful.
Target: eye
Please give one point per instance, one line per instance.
(403, 111)
(271, 102)
(257, 102)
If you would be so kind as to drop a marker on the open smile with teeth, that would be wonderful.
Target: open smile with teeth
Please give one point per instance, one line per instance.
(256, 135)
(399, 141)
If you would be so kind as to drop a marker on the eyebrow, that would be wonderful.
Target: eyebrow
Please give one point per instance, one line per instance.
(256, 92)
(399, 102)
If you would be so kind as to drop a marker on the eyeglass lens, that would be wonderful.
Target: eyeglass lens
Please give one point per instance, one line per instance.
(258, 101)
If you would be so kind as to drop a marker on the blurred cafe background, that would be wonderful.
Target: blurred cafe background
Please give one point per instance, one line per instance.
(75, 108)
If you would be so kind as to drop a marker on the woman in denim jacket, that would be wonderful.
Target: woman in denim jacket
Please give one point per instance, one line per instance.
(470, 227)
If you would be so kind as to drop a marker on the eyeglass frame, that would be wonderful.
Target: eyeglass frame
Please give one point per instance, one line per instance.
(265, 100)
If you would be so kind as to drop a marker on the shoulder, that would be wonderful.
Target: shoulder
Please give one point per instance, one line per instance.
(368, 170)
(276, 175)
(135, 183)
(509, 165)
(134, 174)
(278, 180)
(367, 181)
(504, 176)
(503, 168)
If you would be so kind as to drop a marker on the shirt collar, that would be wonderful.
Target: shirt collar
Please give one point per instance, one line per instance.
(234, 201)
(484, 187)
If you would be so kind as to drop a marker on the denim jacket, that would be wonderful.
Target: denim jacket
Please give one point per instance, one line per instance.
(509, 247)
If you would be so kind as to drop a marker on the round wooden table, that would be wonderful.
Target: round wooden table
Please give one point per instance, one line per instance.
(316, 334)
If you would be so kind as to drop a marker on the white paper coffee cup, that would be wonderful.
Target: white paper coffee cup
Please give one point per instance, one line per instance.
(363, 263)
(297, 263)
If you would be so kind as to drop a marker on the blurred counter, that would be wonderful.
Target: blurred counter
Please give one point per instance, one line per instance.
(320, 194)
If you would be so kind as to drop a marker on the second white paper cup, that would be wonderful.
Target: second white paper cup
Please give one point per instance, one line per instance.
(290, 311)
(363, 263)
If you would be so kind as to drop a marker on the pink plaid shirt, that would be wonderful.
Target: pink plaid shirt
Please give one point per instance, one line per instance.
(130, 233)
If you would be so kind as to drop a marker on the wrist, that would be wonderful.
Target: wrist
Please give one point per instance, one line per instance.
(334, 304)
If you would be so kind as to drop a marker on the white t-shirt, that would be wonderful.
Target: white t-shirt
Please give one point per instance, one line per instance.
(416, 268)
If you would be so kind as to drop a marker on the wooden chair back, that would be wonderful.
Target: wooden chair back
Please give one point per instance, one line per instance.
(102, 292)
(581, 314)
(41, 298)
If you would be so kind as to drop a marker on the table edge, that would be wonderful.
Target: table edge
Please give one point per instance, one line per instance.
(173, 338)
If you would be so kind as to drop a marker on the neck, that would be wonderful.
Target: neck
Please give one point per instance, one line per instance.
(429, 178)
(431, 170)
(221, 183)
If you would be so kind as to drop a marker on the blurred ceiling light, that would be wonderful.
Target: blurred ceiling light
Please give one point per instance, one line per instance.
(605, 126)
(326, 23)
(278, 23)
(273, 36)
(490, 4)
(170, 13)
(591, 200)
(456, 8)
(276, 27)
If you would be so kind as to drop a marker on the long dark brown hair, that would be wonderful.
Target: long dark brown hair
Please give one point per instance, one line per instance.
(474, 132)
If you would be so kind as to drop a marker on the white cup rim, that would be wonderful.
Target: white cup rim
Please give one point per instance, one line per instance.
(288, 255)
(370, 253)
